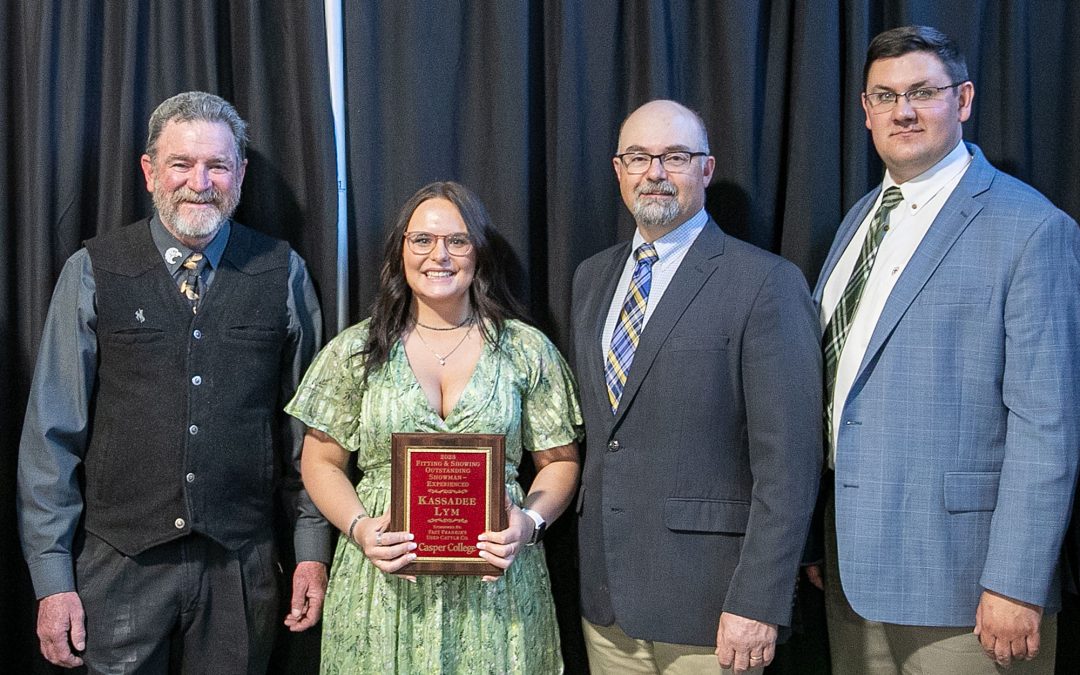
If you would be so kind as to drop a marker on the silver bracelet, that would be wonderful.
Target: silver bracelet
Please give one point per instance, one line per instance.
(352, 526)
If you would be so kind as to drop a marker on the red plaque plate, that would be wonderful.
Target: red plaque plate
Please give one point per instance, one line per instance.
(446, 489)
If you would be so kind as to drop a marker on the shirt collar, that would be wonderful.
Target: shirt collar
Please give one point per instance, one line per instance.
(925, 186)
(679, 238)
(174, 253)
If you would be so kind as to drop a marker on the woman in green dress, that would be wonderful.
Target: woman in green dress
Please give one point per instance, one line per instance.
(444, 351)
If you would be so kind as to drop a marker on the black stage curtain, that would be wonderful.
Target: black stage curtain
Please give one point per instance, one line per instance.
(519, 100)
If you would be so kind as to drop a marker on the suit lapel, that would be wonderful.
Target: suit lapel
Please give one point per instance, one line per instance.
(697, 266)
(844, 234)
(598, 305)
(957, 213)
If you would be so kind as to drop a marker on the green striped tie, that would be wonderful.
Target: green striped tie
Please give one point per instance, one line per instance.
(837, 331)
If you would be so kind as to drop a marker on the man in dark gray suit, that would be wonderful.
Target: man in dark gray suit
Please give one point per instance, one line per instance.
(700, 374)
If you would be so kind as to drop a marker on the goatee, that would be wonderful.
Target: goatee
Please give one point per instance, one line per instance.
(652, 213)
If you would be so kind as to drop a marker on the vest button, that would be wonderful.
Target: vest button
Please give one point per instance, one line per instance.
(193, 430)
(197, 380)
(197, 334)
(190, 478)
(179, 523)
(613, 446)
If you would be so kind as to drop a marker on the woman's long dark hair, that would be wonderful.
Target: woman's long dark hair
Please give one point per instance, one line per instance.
(489, 294)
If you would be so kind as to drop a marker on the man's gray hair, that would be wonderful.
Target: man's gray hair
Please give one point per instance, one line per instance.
(192, 106)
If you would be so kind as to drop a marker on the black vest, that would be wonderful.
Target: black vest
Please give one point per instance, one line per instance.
(185, 406)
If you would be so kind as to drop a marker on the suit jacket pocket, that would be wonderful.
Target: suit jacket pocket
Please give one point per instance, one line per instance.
(967, 491)
(706, 515)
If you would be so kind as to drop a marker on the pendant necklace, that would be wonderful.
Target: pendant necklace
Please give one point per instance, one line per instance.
(442, 357)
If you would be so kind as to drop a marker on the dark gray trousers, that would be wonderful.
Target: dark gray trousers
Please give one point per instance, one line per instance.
(190, 603)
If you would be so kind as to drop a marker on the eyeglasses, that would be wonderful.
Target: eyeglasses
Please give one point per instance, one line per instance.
(673, 162)
(920, 97)
(423, 243)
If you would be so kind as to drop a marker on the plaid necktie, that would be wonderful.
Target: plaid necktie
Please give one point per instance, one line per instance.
(189, 286)
(837, 331)
(628, 330)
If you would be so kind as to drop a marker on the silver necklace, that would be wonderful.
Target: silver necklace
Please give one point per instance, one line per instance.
(464, 321)
(442, 357)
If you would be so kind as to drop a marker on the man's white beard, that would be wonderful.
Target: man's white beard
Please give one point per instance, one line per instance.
(203, 222)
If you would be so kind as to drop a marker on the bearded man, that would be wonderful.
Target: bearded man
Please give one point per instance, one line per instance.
(700, 377)
(154, 443)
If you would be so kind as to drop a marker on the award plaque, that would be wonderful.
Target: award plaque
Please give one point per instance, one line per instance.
(447, 489)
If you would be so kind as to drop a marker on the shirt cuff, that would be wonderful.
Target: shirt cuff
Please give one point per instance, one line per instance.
(314, 542)
(52, 575)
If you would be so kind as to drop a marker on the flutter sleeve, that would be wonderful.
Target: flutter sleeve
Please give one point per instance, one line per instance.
(332, 391)
(550, 413)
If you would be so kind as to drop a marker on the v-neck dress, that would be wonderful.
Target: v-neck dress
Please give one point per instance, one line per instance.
(377, 623)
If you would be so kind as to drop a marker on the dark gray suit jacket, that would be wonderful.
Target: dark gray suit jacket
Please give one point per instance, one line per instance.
(696, 497)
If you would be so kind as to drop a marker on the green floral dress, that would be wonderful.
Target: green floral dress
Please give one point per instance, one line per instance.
(377, 623)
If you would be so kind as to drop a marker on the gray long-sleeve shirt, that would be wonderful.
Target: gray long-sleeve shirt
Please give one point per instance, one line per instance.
(56, 429)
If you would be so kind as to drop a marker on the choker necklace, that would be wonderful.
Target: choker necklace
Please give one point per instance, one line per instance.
(442, 357)
(464, 321)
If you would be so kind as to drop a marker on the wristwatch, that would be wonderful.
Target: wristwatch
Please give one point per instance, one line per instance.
(538, 531)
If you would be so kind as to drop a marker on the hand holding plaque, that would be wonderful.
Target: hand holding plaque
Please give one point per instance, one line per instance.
(501, 548)
(387, 549)
(447, 489)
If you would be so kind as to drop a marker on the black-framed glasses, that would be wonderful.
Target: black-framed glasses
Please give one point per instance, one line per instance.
(919, 97)
(423, 243)
(673, 162)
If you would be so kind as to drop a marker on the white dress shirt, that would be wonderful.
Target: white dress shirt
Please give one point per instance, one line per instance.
(671, 249)
(909, 222)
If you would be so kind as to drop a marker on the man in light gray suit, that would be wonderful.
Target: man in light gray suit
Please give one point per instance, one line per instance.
(950, 305)
(700, 377)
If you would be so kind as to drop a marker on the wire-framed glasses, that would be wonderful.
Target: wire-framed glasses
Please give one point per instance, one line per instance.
(423, 243)
(920, 97)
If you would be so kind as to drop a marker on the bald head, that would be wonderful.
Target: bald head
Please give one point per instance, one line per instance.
(666, 195)
(662, 112)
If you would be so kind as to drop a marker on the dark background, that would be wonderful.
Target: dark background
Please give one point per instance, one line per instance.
(519, 100)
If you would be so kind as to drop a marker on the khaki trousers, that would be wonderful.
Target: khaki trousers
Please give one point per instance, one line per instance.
(861, 647)
(613, 652)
